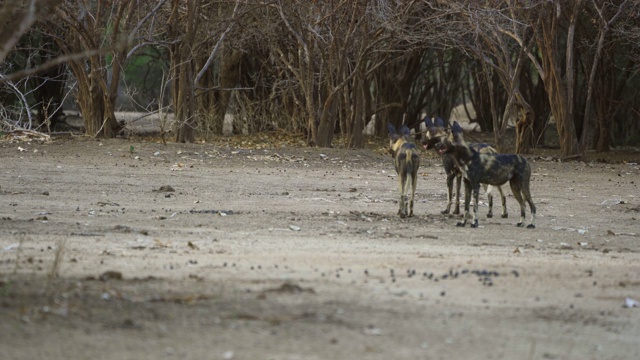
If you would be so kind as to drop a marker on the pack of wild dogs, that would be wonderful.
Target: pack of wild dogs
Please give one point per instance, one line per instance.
(469, 163)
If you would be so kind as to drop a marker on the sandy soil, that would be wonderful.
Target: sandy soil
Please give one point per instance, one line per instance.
(297, 253)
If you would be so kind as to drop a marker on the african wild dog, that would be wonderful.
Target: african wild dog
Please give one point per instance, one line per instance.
(407, 161)
(493, 169)
(436, 133)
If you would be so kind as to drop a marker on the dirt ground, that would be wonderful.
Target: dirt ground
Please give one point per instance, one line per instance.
(297, 253)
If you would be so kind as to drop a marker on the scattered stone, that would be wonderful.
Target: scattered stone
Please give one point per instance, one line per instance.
(165, 188)
(110, 275)
(372, 331)
(214, 212)
(289, 288)
(631, 303)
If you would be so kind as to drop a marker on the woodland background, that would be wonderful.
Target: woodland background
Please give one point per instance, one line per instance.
(324, 68)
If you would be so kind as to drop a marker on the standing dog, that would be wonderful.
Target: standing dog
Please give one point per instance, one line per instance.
(407, 161)
(492, 169)
(436, 134)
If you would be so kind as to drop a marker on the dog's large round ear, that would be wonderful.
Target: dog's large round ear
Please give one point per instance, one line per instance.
(391, 129)
(456, 128)
(439, 122)
(428, 122)
(404, 130)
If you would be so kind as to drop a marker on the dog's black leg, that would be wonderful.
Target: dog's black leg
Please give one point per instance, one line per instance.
(527, 195)
(515, 189)
(450, 177)
(414, 181)
(402, 210)
(488, 189)
(467, 200)
(456, 209)
(503, 200)
(476, 191)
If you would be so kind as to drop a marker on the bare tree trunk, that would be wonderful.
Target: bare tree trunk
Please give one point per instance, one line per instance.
(539, 102)
(355, 138)
(584, 136)
(205, 101)
(326, 126)
(604, 29)
(603, 134)
(91, 102)
(512, 83)
(560, 85)
(183, 72)
(524, 128)
(95, 97)
(49, 95)
(229, 78)
(488, 74)
(483, 99)
(184, 103)
(311, 106)
(392, 105)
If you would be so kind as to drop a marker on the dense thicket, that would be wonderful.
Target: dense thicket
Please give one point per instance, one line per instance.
(326, 67)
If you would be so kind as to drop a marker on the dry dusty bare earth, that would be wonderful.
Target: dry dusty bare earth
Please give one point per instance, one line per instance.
(299, 254)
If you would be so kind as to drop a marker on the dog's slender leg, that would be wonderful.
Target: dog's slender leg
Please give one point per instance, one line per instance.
(527, 195)
(450, 177)
(402, 211)
(476, 191)
(414, 181)
(467, 199)
(488, 189)
(400, 190)
(503, 200)
(407, 204)
(517, 193)
(456, 209)
(405, 196)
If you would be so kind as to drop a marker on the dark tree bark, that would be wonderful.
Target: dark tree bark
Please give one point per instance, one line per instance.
(96, 98)
(183, 73)
(560, 83)
(17, 17)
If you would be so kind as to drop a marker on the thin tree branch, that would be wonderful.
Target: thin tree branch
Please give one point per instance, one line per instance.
(215, 48)
(59, 60)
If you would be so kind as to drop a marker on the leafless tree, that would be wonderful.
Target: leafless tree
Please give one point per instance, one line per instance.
(331, 49)
(87, 27)
(182, 29)
(497, 30)
(325, 67)
(205, 67)
(608, 14)
(16, 17)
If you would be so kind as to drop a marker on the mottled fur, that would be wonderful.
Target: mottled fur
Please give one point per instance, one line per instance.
(493, 169)
(407, 161)
(436, 134)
